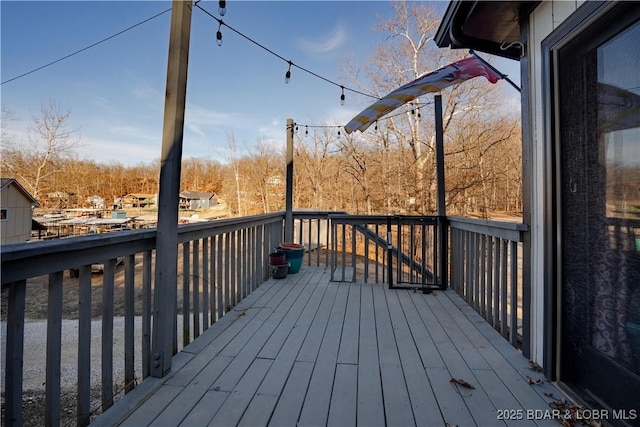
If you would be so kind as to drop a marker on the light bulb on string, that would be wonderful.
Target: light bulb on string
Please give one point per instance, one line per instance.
(222, 7)
(287, 75)
(306, 131)
(376, 128)
(219, 35)
(341, 100)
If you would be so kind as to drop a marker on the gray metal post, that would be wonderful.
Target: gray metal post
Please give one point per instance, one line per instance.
(288, 217)
(442, 210)
(164, 301)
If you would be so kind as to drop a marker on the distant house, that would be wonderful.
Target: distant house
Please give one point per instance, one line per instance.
(15, 212)
(197, 200)
(137, 200)
(96, 202)
(59, 200)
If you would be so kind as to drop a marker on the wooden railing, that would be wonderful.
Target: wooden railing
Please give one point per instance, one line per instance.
(486, 270)
(221, 262)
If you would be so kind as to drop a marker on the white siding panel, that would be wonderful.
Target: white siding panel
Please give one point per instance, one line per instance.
(545, 18)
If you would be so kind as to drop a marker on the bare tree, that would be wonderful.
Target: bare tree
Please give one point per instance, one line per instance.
(408, 53)
(50, 142)
(234, 162)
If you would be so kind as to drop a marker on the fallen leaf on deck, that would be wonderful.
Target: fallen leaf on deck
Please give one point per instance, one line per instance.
(534, 381)
(463, 383)
(534, 366)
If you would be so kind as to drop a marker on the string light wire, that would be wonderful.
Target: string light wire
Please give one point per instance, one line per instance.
(85, 48)
(282, 58)
(414, 108)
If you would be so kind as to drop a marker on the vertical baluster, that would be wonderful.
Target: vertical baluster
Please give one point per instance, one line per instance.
(84, 346)
(489, 296)
(214, 290)
(308, 242)
(54, 349)
(423, 254)
(476, 271)
(354, 253)
(235, 278)
(228, 296)
(468, 266)
(329, 241)
(319, 222)
(15, 353)
(384, 255)
(205, 284)
(399, 275)
(146, 314)
(107, 333)
(186, 297)
(513, 332)
(220, 279)
(377, 249)
(483, 275)
(244, 262)
(412, 263)
(366, 255)
(503, 288)
(496, 282)
(196, 288)
(129, 312)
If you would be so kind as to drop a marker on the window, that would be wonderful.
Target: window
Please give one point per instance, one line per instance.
(3, 214)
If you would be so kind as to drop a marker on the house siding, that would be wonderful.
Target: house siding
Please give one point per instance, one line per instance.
(17, 227)
(542, 22)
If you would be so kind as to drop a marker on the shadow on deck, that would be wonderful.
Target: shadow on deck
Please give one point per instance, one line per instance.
(306, 351)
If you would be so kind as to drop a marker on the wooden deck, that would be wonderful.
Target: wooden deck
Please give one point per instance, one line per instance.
(304, 351)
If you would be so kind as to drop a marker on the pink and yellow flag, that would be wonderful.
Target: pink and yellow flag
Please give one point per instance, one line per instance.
(435, 81)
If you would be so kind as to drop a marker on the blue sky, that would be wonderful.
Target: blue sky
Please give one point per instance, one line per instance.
(115, 91)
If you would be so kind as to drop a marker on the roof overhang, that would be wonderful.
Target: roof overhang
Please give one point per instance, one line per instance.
(486, 26)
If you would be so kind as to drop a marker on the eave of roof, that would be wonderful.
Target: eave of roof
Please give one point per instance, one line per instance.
(486, 26)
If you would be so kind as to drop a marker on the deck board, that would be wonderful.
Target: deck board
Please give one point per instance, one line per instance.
(306, 351)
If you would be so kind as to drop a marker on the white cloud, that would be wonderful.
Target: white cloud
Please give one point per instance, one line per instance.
(335, 39)
(119, 150)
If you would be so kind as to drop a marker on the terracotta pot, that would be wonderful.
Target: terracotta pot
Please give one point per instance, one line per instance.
(277, 258)
(289, 245)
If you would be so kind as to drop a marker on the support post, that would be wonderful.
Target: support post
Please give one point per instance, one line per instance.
(442, 210)
(288, 217)
(164, 301)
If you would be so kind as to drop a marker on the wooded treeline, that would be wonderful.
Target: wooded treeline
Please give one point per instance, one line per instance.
(390, 168)
(346, 173)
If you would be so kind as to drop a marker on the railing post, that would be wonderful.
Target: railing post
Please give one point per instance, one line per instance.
(164, 317)
(288, 219)
(442, 212)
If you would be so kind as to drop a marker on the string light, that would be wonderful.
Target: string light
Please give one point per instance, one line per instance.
(291, 64)
(342, 98)
(418, 107)
(287, 75)
(306, 130)
(219, 34)
(222, 7)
